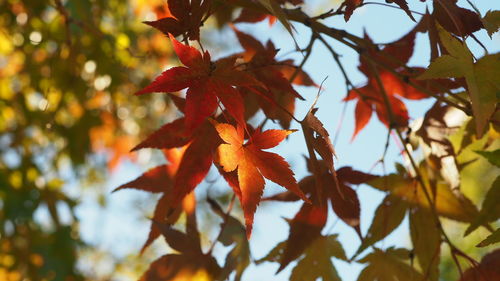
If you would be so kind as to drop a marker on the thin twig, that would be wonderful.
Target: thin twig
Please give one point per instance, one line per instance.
(360, 44)
(308, 51)
(391, 6)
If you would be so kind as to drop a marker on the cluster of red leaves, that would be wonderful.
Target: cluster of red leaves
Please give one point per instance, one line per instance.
(275, 75)
(454, 19)
(396, 78)
(223, 95)
(183, 18)
(308, 223)
(212, 85)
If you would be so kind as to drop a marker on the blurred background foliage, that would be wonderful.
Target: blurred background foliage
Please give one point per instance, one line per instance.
(68, 70)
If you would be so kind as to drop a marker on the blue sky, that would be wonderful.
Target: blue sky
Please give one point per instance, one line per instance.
(121, 227)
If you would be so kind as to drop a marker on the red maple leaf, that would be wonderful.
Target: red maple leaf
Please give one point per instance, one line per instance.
(371, 98)
(207, 82)
(197, 158)
(351, 5)
(253, 164)
(183, 17)
(344, 199)
(305, 227)
(455, 19)
(276, 75)
(307, 224)
(159, 180)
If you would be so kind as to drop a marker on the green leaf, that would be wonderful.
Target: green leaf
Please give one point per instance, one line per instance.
(388, 216)
(490, 211)
(444, 66)
(426, 240)
(482, 77)
(233, 232)
(388, 265)
(274, 255)
(491, 22)
(449, 203)
(492, 239)
(492, 156)
(317, 260)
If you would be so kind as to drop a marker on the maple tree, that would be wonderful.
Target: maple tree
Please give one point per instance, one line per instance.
(222, 97)
(231, 114)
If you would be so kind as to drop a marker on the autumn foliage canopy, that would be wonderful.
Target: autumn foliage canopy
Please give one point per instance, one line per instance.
(234, 110)
(223, 95)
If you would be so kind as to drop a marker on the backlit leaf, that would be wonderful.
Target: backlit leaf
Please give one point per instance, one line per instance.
(388, 216)
(491, 239)
(253, 165)
(482, 77)
(388, 265)
(426, 240)
(491, 21)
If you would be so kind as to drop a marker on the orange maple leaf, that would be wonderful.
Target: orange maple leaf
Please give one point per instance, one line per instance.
(253, 165)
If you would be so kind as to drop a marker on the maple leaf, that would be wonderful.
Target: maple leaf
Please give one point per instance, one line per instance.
(482, 77)
(490, 210)
(449, 203)
(351, 5)
(316, 262)
(454, 19)
(491, 22)
(207, 82)
(426, 241)
(275, 75)
(159, 180)
(492, 156)
(183, 17)
(344, 199)
(197, 158)
(388, 216)
(305, 227)
(318, 138)
(170, 135)
(370, 97)
(388, 265)
(190, 264)
(491, 239)
(253, 164)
